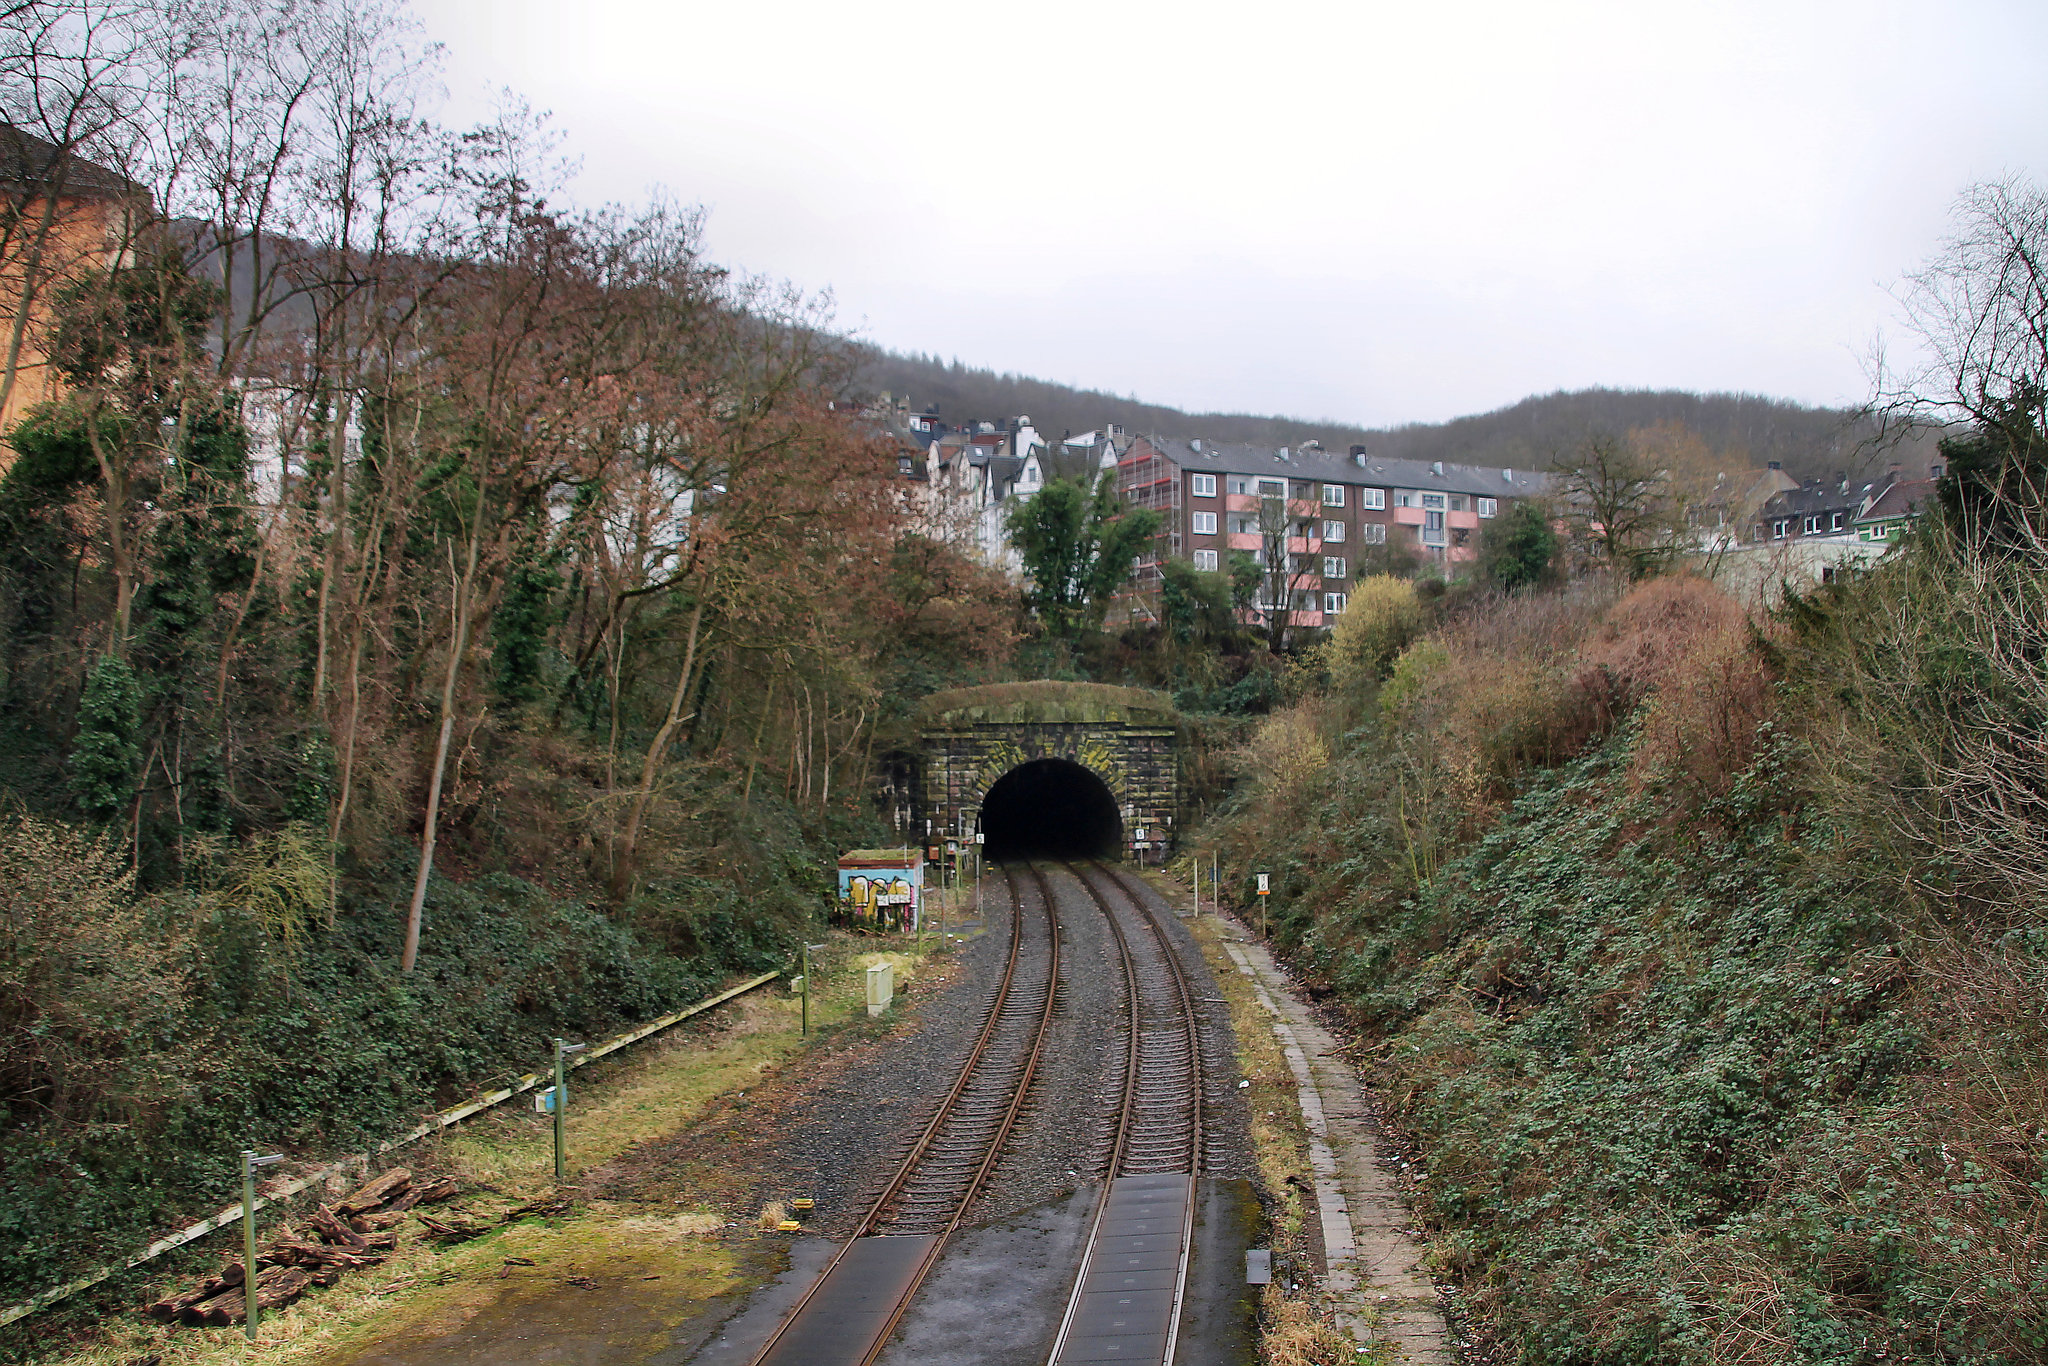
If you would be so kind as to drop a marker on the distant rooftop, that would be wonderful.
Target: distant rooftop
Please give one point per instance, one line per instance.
(27, 160)
(1332, 467)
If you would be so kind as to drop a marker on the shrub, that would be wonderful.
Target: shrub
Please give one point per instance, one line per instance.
(1382, 617)
(1685, 652)
(91, 984)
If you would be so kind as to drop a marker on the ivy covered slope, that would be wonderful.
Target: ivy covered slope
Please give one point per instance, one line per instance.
(1655, 920)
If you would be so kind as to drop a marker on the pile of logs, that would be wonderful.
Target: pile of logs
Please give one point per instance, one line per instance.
(360, 1230)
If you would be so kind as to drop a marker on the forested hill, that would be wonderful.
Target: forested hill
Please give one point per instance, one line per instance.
(1814, 442)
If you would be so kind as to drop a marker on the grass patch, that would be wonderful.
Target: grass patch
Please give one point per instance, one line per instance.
(651, 1266)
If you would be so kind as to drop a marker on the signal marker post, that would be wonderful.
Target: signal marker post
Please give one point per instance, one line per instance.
(1264, 892)
(563, 1051)
(250, 1162)
(806, 980)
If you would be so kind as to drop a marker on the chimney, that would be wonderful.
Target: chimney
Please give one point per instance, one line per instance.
(1196, 445)
(1356, 452)
(1507, 476)
(1436, 467)
(1282, 453)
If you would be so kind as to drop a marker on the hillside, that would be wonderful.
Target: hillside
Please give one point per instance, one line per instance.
(1811, 442)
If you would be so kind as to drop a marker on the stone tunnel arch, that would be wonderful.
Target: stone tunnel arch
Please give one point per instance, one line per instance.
(1098, 742)
(1051, 808)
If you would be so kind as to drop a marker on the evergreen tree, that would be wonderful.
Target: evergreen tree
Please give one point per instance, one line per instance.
(1078, 546)
(106, 758)
(1519, 549)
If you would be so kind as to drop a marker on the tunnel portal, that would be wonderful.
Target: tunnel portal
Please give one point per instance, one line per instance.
(1051, 808)
(1045, 766)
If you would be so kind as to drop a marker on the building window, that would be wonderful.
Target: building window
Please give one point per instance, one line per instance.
(1205, 559)
(1434, 501)
(1809, 526)
(1778, 530)
(1333, 531)
(1244, 526)
(1240, 484)
(1457, 502)
(1333, 603)
(1432, 523)
(1333, 566)
(1489, 507)
(1272, 488)
(1404, 499)
(1333, 495)
(1205, 486)
(1375, 533)
(1837, 523)
(1205, 524)
(1373, 498)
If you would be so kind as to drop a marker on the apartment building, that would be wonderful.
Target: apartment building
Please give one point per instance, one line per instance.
(1330, 510)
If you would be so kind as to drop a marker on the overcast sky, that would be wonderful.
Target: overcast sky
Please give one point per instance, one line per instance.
(1369, 211)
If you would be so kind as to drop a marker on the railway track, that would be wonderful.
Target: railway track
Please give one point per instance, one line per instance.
(848, 1314)
(1127, 1297)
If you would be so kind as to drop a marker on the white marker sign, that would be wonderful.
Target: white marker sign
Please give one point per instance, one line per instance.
(1262, 884)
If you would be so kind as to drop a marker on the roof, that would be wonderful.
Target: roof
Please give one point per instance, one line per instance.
(1903, 499)
(1003, 471)
(28, 160)
(1483, 481)
(909, 856)
(1821, 497)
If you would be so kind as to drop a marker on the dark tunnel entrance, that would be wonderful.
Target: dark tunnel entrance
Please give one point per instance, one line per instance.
(1051, 808)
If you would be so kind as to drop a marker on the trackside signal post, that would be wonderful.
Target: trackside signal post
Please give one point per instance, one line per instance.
(250, 1162)
(560, 1101)
(1264, 892)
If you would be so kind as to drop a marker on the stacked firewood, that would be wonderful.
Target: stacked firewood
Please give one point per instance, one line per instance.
(360, 1230)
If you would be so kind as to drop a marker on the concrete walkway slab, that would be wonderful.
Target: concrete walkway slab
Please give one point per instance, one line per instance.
(1374, 1262)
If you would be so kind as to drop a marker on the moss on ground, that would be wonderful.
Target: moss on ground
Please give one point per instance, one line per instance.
(623, 1272)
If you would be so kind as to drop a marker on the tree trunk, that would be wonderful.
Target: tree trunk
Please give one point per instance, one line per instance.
(657, 751)
(456, 649)
(120, 550)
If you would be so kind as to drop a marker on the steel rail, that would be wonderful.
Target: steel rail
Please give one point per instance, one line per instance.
(1127, 1109)
(923, 1145)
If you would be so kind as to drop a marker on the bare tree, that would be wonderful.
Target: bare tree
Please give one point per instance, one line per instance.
(1289, 541)
(1980, 313)
(1619, 500)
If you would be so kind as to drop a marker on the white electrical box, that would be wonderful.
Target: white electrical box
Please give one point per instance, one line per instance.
(881, 987)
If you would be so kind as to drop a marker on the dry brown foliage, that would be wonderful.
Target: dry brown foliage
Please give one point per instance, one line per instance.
(1684, 651)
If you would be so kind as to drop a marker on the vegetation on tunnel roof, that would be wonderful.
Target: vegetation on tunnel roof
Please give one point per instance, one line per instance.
(1048, 700)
